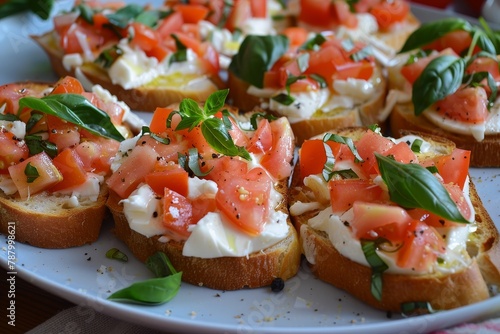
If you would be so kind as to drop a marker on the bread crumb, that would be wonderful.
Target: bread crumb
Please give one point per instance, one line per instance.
(168, 312)
(192, 314)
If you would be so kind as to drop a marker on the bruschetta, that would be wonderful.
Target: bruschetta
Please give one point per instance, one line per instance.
(384, 24)
(396, 223)
(317, 81)
(145, 56)
(445, 82)
(210, 194)
(57, 145)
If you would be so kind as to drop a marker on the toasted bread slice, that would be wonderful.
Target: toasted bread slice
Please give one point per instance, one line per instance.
(485, 153)
(258, 269)
(48, 221)
(461, 286)
(160, 92)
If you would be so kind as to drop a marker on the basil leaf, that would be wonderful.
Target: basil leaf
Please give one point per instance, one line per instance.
(160, 265)
(362, 54)
(409, 309)
(147, 131)
(319, 79)
(123, 16)
(343, 140)
(8, 117)
(31, 173)
(440, 78)
(413, 186)
(313, 43)
(107, 57)
(219, 139)
(86, 13)
(148, 17)
(476, 78)
(483, 40)
(346, 174)
(494, 36)
(327, 171)
(378, 266)
(256, 55)
(76, 109)
(215, 102)
(37, 145)
(41, 8)
(431, 31)
(193, 163)
(253, 118)
(284, 99)
(116, 254)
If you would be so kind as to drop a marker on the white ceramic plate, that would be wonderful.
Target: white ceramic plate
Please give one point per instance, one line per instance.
(86, 277)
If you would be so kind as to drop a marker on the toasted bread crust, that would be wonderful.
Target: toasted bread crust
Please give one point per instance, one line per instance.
(143, 98)
(43, 221)
(485, 153)
(224, 273)
(444, 291)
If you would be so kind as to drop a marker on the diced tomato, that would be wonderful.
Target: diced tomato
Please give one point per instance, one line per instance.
(188, 41)
(70, 166)
(114, 110)
(389, 12)
(100, 20)
(12, 151)
(227, 167)
(304, 85)
(238, 136)
(201, 206)
(459, 41)
(45, 175)
(272, 79)
(316, 13)
(421, 247)
(322, 62)
(262, 139)
(68, 84)
(468, 104)
(370, 219)
(192, 13)
(244, 201)
(239, 14)
(158, 122)
(128, 176)
(169, 175)
(369, 143)
(454, 168)
(412, 71)
(209, 58)
(259, 8)
(11, 93)
(485, 64)
(364, 6)
(401, 152)
(198, 141)
(296, 35)
(169, 152)
(277, 161)
(177, 214)
(312, 156)
(75, 36)
(97, 152)
(144, 37)
(170, 24)
(62, 133)
(342, 15)
(344, 193)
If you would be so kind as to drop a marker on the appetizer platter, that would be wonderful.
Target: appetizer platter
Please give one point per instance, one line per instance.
(87, 275)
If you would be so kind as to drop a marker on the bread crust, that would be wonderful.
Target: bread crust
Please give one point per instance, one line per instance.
(223, 273)
(143, 98)
(444, 291)
(43, 221)
(485, 153)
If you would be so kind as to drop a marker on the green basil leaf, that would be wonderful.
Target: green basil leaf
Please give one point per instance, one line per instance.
(431, 31)
(378, 266)
(154, 291)
(494, 36)
(148, 17)
(218, 137)
(8, 117)
(160, 265)
(147, 131)
(440, 78)
(37, 145)
(351, 4)
(343, 140)
(284, 99)
(327, 171)
(432, 169)
(31, 173)
(42, 8)
(313, 43)
(116, 254)
(215, 102)
(476, 78)
(409, 309)
(123, 16)
(193, 163)
(413, 186)
(362, 54)
(253, 118)
(76, 109)
(108, 56)
(256, 55)
(319, 79)
(189, 107)
(483, 41)
(346, 174)
(86, 13)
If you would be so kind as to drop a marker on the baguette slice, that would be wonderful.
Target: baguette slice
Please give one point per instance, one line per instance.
(46, 221)
(224, 273)
(463, 286)
(144, 98)
(485, 153)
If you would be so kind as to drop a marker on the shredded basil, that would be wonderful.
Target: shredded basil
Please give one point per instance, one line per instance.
(253, 118)
(319, 79)
(31, 173)
(147, 131)
(37, 145)
(190, 163)
(314, 42)
(108, 56)
(327, 171)
(284, 99)
(123, 16)
(8, 117)
(344, 140)
(378, 266)
(41, 8)
(416, 308)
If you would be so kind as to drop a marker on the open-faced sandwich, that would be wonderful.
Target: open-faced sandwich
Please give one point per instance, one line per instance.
(147, 57)
(445, 82)
(57, 145)
(318, 82)
(384, 24)
(396, 223)
(208, 187)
